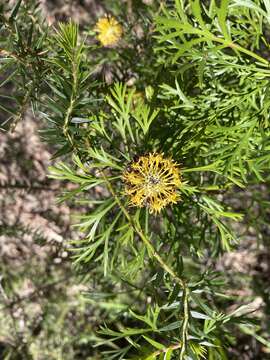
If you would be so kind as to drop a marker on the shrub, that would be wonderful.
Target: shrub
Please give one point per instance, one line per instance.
(160, 115)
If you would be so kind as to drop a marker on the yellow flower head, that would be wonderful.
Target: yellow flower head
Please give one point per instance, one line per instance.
(152, 181)
(109, 31)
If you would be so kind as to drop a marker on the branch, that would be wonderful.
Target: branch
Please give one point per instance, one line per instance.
(164, 266)
(72, 100)
(144, 238)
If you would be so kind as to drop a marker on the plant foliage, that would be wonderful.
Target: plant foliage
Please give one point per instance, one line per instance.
(198, 93)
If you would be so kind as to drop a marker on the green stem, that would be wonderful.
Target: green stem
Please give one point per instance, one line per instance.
(164, 266)
(166, 349)
(143, 237)
(72, 100)
(22, 109)
(184, 330)
(239, 48)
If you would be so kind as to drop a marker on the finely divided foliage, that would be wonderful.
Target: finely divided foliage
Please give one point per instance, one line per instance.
(180, 145)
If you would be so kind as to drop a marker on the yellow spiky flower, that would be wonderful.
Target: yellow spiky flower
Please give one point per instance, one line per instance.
(152, 181)
(109, 30)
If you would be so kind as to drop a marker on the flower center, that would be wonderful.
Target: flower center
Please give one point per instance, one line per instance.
(110, 31)
(153, 180)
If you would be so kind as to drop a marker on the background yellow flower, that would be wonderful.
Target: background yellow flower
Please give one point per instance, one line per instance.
(109, 31)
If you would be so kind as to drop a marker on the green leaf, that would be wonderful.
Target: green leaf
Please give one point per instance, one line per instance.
(154, 343)
(198, 315)
(222, 12)
(150, 357)
(168, 354)
(15, 10)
